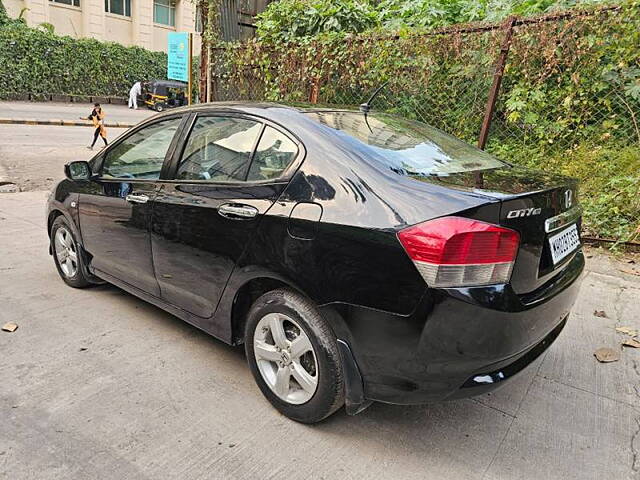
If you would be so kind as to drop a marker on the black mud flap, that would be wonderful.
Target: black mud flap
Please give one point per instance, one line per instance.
(353, 385)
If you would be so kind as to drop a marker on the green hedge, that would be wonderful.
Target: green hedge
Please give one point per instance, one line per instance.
(36, 61)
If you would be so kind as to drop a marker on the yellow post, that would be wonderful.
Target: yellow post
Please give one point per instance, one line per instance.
(189, 68)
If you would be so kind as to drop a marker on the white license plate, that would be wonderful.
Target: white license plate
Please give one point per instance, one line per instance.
(563, 243)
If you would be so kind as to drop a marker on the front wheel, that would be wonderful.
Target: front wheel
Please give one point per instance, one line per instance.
(67, 255)
(293, 355)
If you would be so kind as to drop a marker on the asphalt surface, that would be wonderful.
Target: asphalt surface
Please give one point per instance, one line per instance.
(33, 157)
(98, 384)
(71, 111)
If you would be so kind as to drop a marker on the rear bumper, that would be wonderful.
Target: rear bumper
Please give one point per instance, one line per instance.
(458, 342)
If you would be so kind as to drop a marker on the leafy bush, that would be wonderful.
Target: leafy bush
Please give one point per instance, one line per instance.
(38, 61)
(288, 19)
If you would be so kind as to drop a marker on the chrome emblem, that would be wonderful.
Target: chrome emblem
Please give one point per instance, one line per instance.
(568, 198)
(524, 212)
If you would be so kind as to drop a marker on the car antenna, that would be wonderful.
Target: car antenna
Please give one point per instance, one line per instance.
(366, 107)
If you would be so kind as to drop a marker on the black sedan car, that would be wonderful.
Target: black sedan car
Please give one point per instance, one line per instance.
(357, 257)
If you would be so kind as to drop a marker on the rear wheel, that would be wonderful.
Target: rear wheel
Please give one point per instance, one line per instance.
(294, 357)
(67, 255)
(159, 107)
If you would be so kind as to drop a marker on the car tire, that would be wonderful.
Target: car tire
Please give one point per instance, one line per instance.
(67, 255)
(304, 331)
(159, 107)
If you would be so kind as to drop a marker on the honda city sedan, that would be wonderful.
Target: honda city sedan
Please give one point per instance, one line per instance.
(358, 256)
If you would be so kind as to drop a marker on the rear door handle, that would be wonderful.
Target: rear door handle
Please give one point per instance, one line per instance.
(137, 198)
(237, 212)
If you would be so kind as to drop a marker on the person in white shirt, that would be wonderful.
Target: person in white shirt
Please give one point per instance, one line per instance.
(133, 95)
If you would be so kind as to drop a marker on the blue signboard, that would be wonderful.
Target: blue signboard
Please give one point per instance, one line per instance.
(178, 57)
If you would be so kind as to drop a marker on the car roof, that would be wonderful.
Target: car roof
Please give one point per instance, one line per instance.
(251, 107)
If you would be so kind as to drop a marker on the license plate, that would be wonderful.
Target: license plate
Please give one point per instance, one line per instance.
(563, 243)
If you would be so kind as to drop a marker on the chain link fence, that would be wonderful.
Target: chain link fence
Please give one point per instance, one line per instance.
(558, 92)
(445, 77)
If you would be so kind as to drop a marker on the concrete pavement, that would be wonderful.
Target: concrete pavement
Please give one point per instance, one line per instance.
(98, 384)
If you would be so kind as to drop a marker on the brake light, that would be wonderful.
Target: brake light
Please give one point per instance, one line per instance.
(461, 252)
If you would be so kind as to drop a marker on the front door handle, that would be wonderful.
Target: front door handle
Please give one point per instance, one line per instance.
(237, 212)
(137, 198)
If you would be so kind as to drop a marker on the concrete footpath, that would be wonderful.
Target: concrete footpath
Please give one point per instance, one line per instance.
(68, 114)
(98, 384)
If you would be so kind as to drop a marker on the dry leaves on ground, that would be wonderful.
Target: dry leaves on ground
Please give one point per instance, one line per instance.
(627, 331)
(607, 355)
(10, 327)
(631, 342)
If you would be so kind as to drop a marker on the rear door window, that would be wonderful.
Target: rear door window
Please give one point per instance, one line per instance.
(219, 149)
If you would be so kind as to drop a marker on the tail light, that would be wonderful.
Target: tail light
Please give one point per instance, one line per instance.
(461, 252)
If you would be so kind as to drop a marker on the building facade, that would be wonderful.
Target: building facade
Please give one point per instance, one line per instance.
(144, 23)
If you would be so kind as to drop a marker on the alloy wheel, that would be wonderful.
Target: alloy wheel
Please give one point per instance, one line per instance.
(285, 358)
(66, 252)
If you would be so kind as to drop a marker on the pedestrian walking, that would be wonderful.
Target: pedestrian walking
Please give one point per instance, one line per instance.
(133, 95)
(97, 118)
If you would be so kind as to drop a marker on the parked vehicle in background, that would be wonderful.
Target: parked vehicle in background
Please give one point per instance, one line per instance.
(357, 257)
(159, 95)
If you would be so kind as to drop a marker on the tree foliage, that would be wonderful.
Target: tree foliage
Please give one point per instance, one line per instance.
(288, 19)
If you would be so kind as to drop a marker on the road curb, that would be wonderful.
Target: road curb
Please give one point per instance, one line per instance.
(60, 122)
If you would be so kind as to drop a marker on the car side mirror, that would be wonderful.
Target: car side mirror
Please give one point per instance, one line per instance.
(78, 171)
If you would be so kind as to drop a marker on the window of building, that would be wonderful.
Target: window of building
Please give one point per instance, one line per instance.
(164, 12)
(119, 7)
(75, 3)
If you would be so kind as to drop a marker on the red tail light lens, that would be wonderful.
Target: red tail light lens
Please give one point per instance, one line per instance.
(461, 252)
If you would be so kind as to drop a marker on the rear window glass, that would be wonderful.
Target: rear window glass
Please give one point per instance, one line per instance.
(407, 147)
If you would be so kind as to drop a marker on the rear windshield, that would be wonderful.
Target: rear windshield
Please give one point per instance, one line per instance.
(407, 147)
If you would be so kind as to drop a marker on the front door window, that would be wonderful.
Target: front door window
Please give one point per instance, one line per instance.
(141, 155)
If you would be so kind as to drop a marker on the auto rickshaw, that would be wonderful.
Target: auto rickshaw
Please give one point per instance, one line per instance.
(162, 94)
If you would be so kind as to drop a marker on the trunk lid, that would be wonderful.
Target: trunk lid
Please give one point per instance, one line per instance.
(537, 205)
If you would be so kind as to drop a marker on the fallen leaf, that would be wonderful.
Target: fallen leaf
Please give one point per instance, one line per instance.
(10, 327)
(606, 355)
(627, 331)
(630, 272)
(631, 342)
(600, 313)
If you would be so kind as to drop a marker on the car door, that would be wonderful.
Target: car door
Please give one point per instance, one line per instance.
(230, 171)
(115, 209)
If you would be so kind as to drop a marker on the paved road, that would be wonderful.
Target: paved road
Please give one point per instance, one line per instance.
(98, 384)
(70, 111)
(33, 156)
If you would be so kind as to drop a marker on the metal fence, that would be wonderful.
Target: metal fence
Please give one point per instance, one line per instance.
(536, 82)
